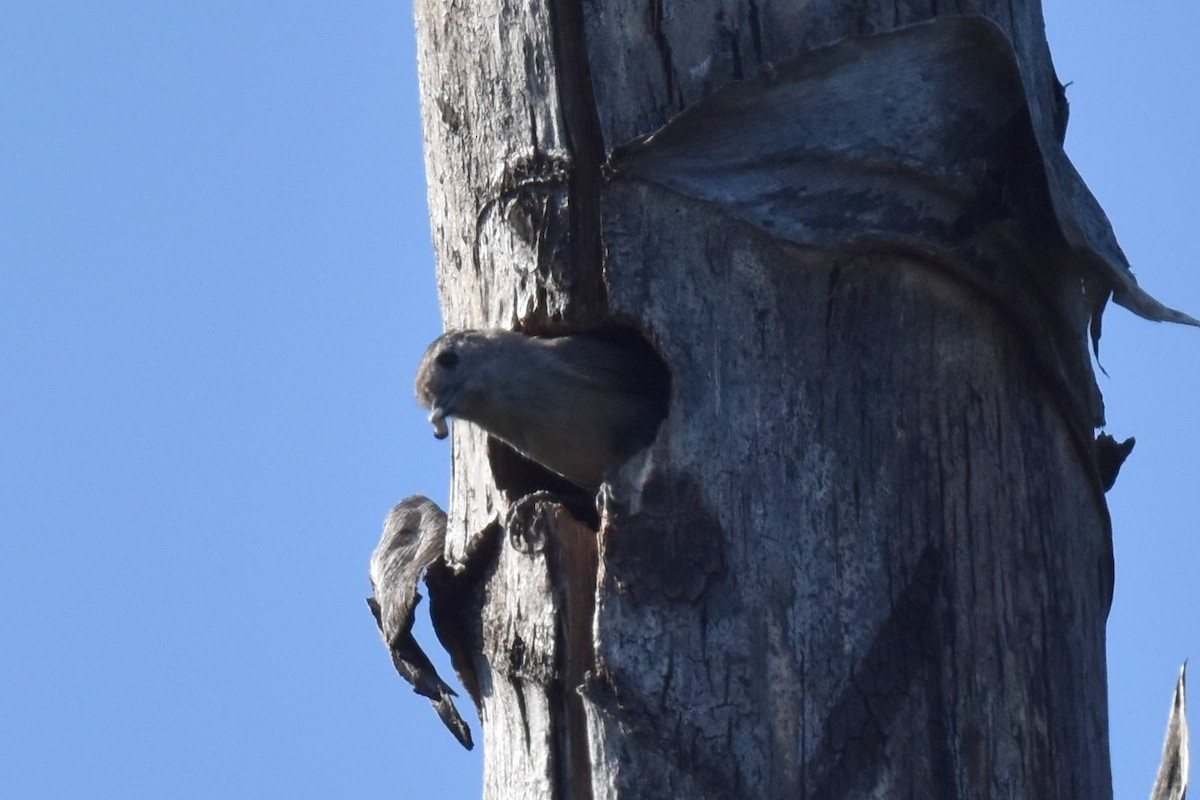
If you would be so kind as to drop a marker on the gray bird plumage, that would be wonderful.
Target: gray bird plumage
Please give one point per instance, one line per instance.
(577, 405)
(414, 534)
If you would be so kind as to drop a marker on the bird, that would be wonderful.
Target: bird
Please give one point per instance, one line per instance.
(414, 533)
(578, 404)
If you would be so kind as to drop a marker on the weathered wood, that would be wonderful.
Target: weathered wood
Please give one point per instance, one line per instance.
(868, 553)
(915, 565)
(1172, 779)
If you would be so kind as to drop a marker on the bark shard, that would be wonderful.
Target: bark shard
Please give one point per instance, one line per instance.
(1172, 779)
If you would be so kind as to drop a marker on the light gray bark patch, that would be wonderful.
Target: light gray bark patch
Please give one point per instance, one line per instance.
(529, 196)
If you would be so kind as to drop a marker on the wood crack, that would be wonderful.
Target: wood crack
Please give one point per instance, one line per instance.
(577, 102)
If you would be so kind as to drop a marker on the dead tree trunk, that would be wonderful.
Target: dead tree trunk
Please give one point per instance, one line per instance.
(868, 554)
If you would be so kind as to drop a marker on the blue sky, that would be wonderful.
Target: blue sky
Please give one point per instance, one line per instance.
(215, 283)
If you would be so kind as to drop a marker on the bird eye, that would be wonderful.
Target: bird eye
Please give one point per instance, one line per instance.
(447, 359)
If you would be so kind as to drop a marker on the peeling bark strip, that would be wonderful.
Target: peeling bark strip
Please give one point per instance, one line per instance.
(867, 554)
(919, 140)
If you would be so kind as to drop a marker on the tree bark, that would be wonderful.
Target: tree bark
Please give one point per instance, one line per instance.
(868, 554)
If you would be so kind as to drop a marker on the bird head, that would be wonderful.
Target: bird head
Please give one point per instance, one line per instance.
(454, 374)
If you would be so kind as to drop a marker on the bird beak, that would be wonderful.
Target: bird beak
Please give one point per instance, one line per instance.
(437, 418)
